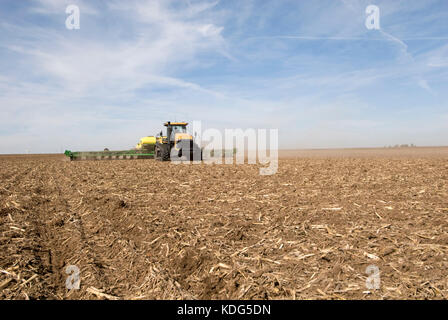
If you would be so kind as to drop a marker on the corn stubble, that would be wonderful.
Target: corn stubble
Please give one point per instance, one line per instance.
(150, 230)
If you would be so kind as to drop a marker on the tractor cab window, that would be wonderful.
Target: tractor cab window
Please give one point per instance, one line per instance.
(179, 129)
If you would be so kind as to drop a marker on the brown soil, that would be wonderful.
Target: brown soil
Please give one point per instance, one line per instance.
(142, 229)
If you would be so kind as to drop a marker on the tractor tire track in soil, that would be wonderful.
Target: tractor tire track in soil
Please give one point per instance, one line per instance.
(31, 244)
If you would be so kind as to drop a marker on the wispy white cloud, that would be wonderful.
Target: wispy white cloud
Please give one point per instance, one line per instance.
(86, 65)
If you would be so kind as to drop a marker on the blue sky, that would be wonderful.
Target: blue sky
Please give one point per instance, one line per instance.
(309, 68)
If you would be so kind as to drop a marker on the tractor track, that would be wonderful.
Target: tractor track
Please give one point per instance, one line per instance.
(38, 243)
(78, 248)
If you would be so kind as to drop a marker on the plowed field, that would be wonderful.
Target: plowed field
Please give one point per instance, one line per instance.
(142, 229)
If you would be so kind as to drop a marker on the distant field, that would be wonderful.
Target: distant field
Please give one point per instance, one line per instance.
(307, 153)
(44, 156)
(366, 152)
(142, 229)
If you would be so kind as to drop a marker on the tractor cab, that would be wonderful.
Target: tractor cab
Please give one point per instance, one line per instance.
(177, 131)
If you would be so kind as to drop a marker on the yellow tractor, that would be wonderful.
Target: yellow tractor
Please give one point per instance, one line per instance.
(177, 144)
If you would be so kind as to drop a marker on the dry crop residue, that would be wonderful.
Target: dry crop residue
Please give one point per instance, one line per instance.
(149, 230)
